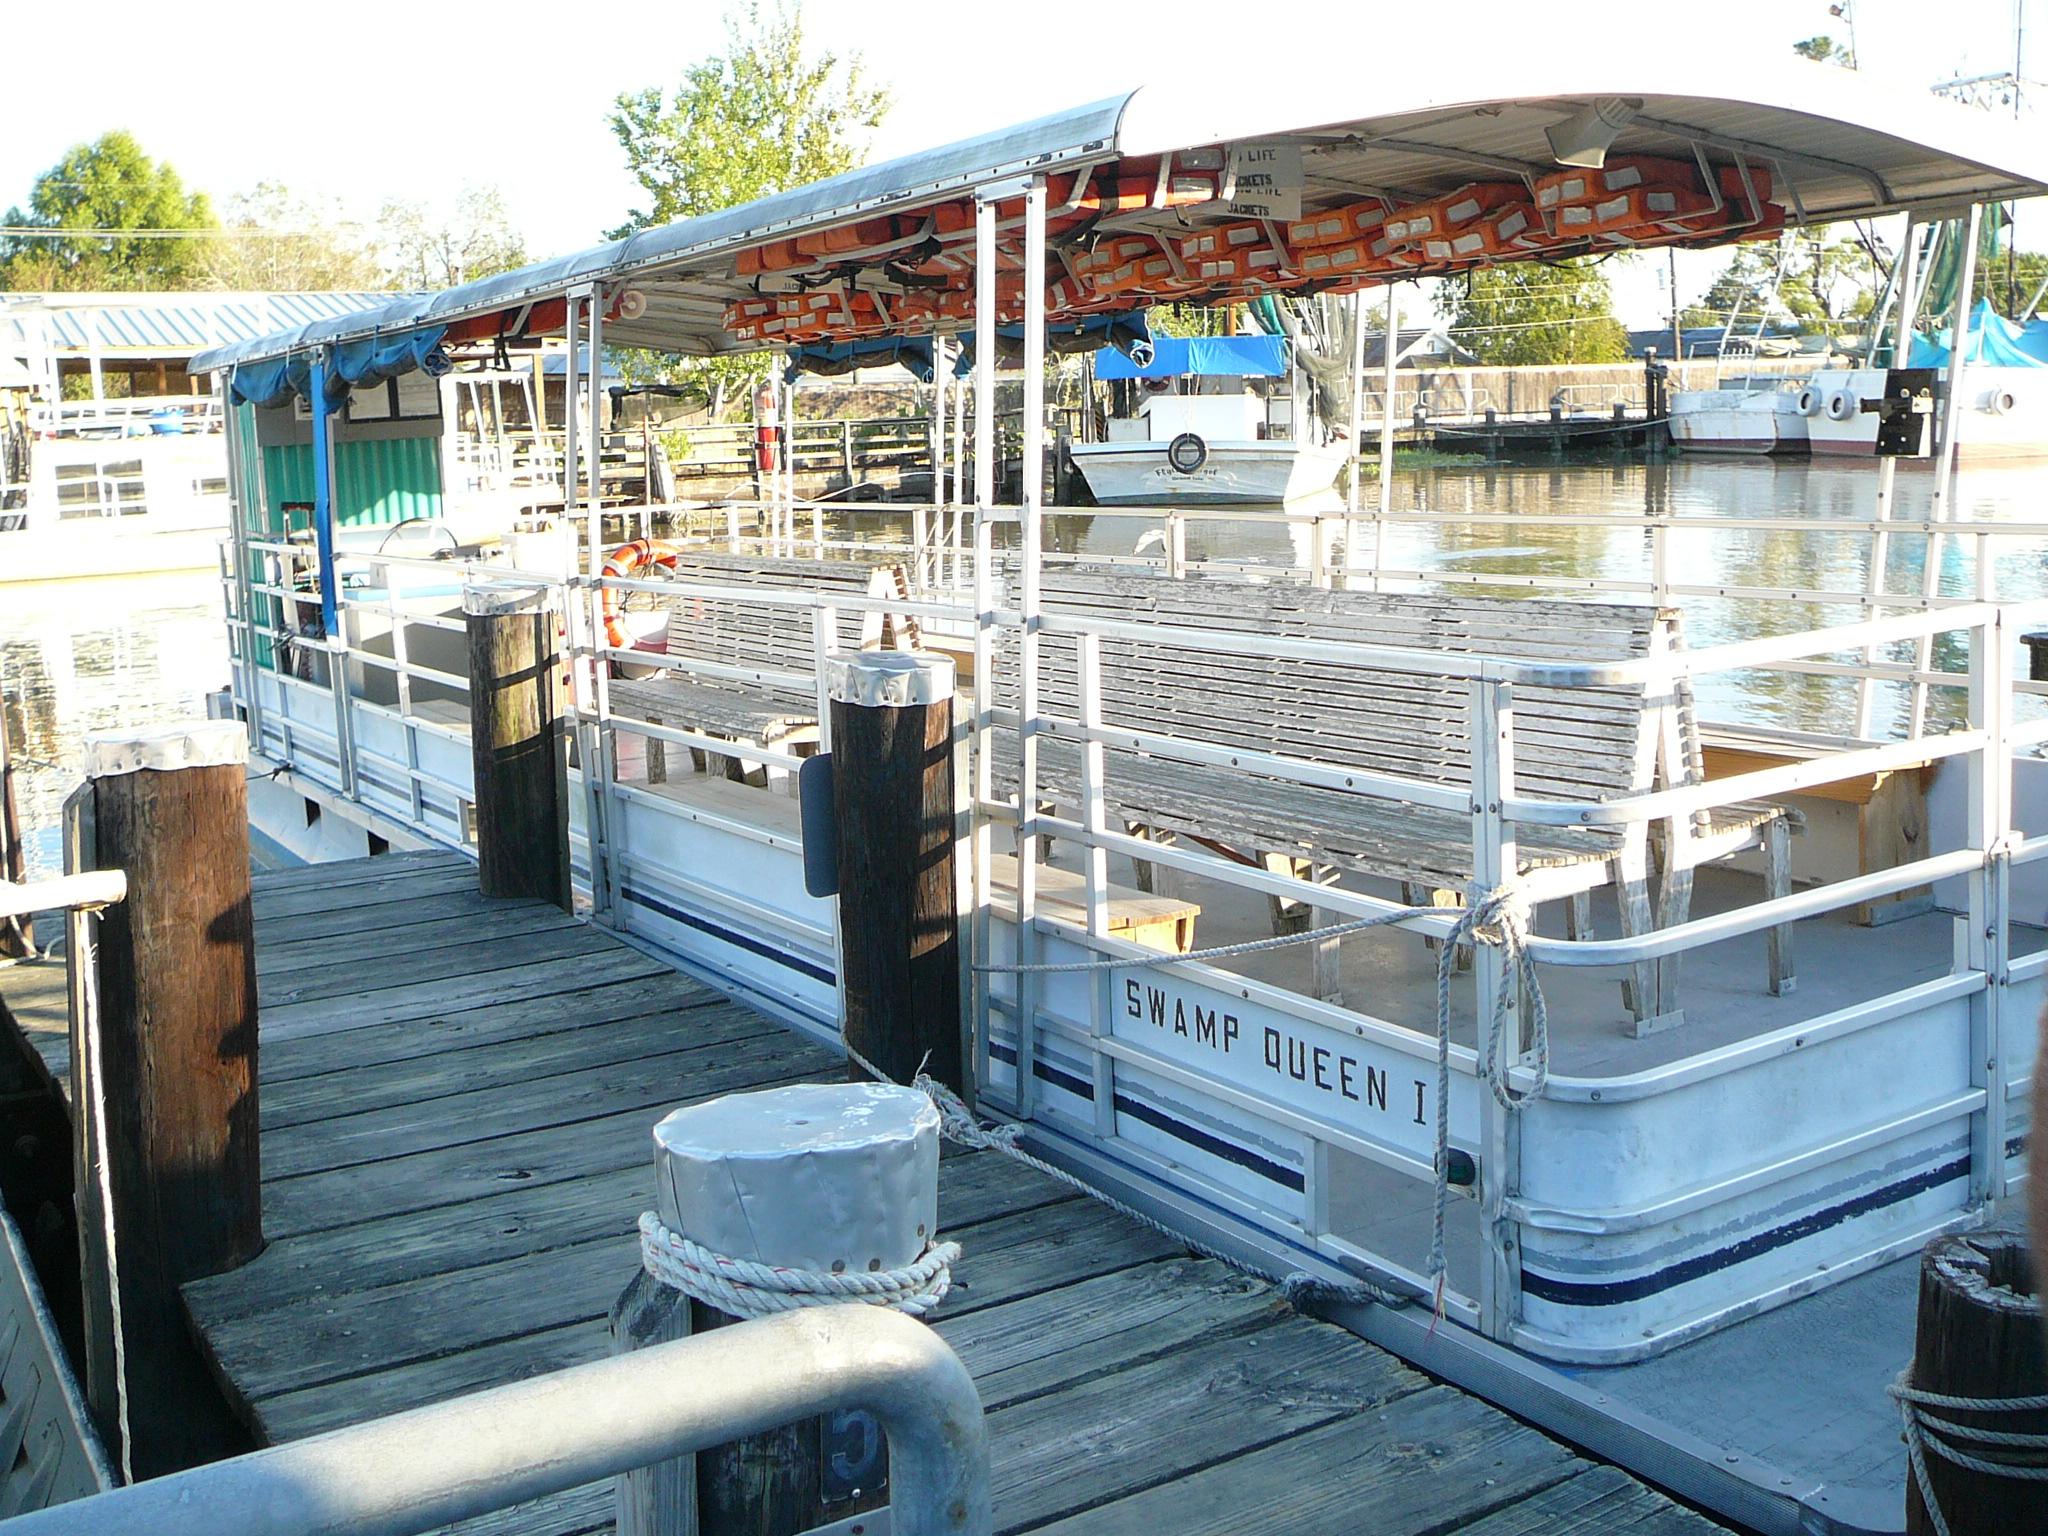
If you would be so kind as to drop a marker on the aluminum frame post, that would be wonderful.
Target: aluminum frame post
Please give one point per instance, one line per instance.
(1386, 502)
(323, 492)
(984, 620)
(1494, 863)
(1987, 939)
(1030, 515)
(1945, 451)
(1887, 467)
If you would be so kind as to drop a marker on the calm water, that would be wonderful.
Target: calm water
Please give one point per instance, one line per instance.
(78, 657)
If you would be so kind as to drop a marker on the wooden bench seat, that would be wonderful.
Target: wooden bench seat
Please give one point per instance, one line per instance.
(1594, 744)
(737, 634)
(1140, 917)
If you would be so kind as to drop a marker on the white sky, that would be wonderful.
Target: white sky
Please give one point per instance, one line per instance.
(378, 100)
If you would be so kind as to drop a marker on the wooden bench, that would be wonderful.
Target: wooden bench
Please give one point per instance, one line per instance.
(735, 640)
(1595, 744)
(1139, 917)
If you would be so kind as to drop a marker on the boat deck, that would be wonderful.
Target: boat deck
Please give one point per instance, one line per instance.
(456, 1100)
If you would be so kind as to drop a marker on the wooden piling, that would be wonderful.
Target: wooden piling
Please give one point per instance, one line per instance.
(14, 936)
(893, 801)
(820, 1470)
(516, 744)
(1978, 1336)
(176, 983)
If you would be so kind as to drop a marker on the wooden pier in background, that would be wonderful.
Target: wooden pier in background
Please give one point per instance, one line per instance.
(457, 1095)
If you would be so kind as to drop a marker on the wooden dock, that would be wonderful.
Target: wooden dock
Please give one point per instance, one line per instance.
(456, 1102)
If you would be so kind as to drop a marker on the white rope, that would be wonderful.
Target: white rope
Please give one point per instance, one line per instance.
(1497, 917)
(1925, 1432)
(744, 1288)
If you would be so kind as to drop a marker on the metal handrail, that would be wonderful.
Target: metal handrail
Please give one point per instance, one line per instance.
(419, 1470)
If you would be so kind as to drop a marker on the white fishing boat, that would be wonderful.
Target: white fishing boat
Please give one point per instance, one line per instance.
(2003, 393)
(1199, 433)
(1739, 420)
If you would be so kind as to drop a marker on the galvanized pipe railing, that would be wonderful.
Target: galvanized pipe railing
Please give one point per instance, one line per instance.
(426, 1468)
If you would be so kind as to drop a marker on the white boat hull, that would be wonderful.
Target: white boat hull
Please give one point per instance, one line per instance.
(2004, 415)
(1234, 474)
(1737, 421)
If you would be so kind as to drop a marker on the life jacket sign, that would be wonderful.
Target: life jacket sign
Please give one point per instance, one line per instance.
(1265, 181)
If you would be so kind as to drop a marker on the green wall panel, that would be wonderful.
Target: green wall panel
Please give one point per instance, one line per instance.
(376, 482)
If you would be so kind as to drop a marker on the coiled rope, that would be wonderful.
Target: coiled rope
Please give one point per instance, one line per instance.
(744, 1288)
(1925, 1432)
(1498, 917)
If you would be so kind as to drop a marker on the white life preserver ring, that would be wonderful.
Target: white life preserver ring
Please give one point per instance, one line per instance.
(1809, 401)
(2000, 402)
(1842, 405)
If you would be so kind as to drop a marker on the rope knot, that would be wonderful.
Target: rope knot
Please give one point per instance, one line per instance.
(1499, 917)
(744, 1288)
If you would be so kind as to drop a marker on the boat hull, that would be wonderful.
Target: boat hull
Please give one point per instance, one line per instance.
(1737, 421)
(1234, 474)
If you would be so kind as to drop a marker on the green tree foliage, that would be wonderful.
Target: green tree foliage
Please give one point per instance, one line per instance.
(99, 190)
(274, 241)
(761, 117)
(1559, 312)
(1825, 50)
(2010, 281)
(1820, 284)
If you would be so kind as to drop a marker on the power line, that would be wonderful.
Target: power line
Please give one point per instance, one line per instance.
(242, 232)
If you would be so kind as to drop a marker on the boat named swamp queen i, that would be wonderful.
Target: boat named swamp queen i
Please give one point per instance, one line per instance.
(1654, 1208)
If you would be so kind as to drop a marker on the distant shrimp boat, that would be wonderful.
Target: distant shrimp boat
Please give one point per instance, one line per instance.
(1738, 421)
(1197, 435)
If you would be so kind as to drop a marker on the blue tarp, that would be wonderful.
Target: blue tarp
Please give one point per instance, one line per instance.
(1244, 357)
(1128, 334)
(365, 361)
(1993, 339)
(830, 357)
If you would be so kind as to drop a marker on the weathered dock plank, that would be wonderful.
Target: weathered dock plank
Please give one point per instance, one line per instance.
(456, 1150)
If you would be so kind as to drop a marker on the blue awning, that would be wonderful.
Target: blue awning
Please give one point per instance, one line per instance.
(367, 360)
(834, 357)
(1243, 357)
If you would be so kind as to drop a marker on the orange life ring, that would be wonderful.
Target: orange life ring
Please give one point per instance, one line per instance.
(640, 555)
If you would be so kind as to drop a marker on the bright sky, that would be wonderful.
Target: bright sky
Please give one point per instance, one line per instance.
(381, 100)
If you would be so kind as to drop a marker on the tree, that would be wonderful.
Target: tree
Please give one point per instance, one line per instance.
(2011, 280)
(427, 248)
(1552, 312)
(1825, 50)
(761, 117)
(274, 241)
(87, 202)
(1814, 282)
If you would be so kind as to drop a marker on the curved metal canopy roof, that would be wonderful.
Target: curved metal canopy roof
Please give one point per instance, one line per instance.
(1839, 147)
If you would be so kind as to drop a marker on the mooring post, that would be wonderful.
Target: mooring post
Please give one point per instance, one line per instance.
(893, 803)
(819, 1178)
(176, 983)
(1978, 1337)
(516, 743)
(15, 937)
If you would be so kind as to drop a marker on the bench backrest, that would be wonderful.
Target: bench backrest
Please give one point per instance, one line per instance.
(779, 636)
(1570, 743)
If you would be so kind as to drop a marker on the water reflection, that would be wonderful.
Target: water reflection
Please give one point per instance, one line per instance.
(83, 656)
(1525, 535)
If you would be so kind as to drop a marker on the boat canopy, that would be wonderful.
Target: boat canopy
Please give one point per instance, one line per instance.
(1993, 340)
(1241, 357)
(363, 360)
(1695, 152)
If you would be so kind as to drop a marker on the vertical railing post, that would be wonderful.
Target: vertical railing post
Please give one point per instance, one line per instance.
(1939, 509)
(170, 1113)
(1887, 473)
(1031, 476)
(1493, 865)
(1986, 947)
(985, 595)
(1386, 501)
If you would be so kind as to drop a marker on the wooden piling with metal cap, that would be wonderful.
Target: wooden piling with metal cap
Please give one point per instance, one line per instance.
(518, 753)
(826, 1178)
(175, 971)
(1978, 1338)
(893, 797)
